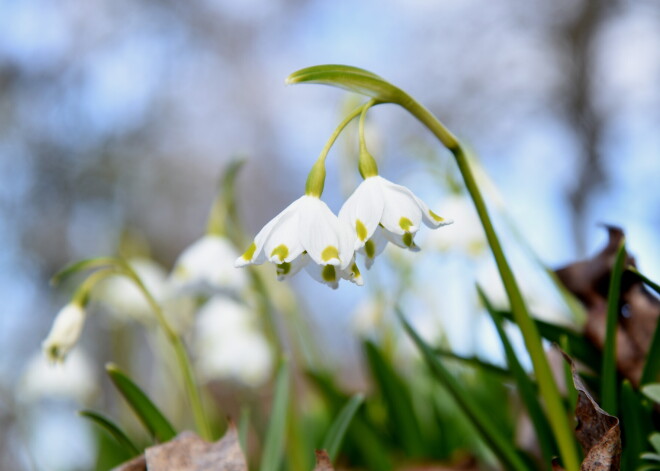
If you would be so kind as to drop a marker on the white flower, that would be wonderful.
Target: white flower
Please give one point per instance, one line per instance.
(306, 231)
(229, 345)
(65, 332)
(73, 379)
(377, 202)
(124, 300)
(467, 235)
(206, 267)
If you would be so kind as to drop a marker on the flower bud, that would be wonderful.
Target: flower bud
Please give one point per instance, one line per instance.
(65, 332)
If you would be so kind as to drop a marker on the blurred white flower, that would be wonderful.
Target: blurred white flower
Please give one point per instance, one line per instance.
(207, 267)
(229, 345)
(377, 202)
(73, 379)
(368, 316)
(306, 227)
(467, 235)
(125, 300)
(64, 333)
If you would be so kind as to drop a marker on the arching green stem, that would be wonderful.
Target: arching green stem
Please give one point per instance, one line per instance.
(366, 164)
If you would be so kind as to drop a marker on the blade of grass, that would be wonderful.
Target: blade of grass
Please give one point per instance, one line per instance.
(579, 347)
(475, 362)
(399, 403)
(243, 428)
(652, 365)
(150, 416)
(489, 431)
(337, 430)
(117, 433)
(608, 385)
(526, 388)
(271, 459)
(635, 427)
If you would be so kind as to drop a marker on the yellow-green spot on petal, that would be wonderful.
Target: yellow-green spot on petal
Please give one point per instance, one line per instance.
(329, 274)
(355, 270)
(405, 223)
(435, 217)
(361, 229)
(408, 239)
(281, 251)
(283, 268)
(329, 253)
(370, 248)
(249, 253)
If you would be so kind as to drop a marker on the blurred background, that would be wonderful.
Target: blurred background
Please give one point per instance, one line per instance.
(118, 117)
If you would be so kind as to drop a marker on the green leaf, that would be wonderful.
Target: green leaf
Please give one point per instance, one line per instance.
(489, 431)
(578, 346)
(338, 429)
(152, 419)
(652, 391)
(399, 403)
(243, 428)
(350, 78)
(651, 456)
(652, 365)
(110, 427)
(634, 430)
(277, 427)
(654, 438)
(526, 388)
(608, 385)
(475, 362)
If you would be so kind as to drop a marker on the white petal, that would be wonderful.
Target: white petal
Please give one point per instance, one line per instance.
(402, 212)
(352, 273)
(65, 332)
(320, 232)
(430, 218)
(326, 274)
(283, 242)
(287, 270)
(405, 240)
(374, 247)
(254, 253)
(362, 210)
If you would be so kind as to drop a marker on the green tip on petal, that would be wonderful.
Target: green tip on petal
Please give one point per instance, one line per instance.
(405, 223)
(249, 253)
(329, 253)
(355, 270)
(408, 239)
(361, 229)
(283, 269)
(435, 217)
(281, 251)
(370, 248)
(329, 274)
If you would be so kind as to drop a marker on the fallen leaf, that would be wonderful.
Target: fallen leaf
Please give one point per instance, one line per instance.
(188, 452)
(597, 431)
(639, 310)
(323, 461)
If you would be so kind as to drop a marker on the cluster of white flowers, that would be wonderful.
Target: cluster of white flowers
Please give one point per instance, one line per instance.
(307, 234)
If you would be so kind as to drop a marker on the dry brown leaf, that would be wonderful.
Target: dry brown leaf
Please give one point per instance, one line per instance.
(323, 461)
(589, 281)
(597, 431)
(188, 452)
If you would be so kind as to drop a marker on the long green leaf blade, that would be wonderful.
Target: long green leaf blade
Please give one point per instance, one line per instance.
(337, 430)
(526, 388)
(399, 402)
(114, 430)
(489, 431)
(150, 416)
(277, 428)
(652, 365)
(608, 385)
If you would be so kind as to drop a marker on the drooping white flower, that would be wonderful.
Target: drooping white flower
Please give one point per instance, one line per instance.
(229, 344)
(306, 232)
(64, 333)
(74, 379)
(206, 267)
(124, 300)
(378, 202)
